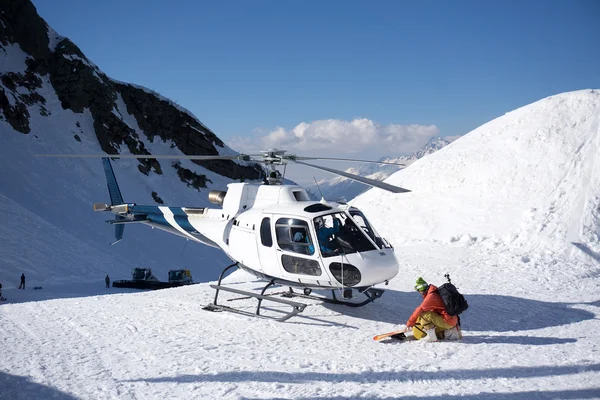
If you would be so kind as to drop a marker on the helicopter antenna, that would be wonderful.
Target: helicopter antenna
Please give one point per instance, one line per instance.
(351, 203)
(317, 183)
(184, 245)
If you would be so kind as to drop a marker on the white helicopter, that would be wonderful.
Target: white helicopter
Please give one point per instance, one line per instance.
(275, 232)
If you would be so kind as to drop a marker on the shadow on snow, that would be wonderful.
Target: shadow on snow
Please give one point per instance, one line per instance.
(486, 312)
(550, 395)
(374, 377)
(18, 387)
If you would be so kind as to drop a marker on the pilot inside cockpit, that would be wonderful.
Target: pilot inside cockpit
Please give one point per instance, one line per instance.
(326, 235)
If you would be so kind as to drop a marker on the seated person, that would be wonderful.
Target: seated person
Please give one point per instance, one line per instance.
(430, 320)
(325, 235)
(299, 248)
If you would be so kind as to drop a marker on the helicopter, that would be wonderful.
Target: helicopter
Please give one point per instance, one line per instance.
(275, 232)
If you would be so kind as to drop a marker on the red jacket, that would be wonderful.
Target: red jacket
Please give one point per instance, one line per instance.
(432, 302)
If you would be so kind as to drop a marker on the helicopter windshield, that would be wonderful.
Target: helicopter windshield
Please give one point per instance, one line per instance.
(338, 234)
(361, 221)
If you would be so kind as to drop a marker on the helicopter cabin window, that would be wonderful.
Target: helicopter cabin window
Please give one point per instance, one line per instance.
(293, 235)
(300, 266)
(265, 232)
(338, 234)
(362, 222)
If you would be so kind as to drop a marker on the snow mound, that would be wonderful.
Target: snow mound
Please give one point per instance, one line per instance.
(529, 179)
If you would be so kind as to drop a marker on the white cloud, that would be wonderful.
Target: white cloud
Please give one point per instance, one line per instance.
(360, 137)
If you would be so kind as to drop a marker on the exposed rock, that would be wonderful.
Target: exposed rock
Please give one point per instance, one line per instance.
(21, 24)
(80, 85)
(17, 115)
(190, 177)
(157, 198)
(157, 117)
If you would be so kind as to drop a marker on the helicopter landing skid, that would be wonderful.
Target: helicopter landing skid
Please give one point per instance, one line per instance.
(296, 307)
(371, 293)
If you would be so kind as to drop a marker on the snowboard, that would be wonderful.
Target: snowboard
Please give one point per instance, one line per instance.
(387, 335)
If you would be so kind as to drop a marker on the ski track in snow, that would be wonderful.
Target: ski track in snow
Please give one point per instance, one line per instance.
(163, 345)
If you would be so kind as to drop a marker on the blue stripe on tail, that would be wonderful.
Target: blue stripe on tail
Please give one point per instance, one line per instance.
(113, 186)
(115, 195)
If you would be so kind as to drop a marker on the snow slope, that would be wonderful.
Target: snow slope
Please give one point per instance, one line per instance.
(49, 200)
(529, 179)
(498, 209)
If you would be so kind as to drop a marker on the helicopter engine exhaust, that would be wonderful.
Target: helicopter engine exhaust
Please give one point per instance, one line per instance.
(217, 197)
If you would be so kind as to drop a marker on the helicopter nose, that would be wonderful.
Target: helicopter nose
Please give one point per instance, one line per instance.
(365, 269)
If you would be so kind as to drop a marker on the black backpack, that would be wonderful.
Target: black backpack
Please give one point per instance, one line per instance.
(455, 302)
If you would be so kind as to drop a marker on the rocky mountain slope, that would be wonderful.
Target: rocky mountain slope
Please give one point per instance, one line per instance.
(53, 99)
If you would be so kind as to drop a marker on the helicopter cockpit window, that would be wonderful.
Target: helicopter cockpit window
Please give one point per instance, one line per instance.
(265, 232)
(293, 235)
(363, 223)
(338, 234)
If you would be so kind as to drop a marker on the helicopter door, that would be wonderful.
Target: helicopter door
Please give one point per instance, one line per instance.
(266, 249)
(296, 251)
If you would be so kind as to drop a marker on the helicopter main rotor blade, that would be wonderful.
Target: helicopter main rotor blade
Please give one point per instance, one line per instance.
(293, 158)
(366, 181)
(241, 157)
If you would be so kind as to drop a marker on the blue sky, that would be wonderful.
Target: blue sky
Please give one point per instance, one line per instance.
(252, 71)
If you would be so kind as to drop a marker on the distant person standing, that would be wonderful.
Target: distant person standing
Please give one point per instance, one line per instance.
(22, 285)
(107, 280)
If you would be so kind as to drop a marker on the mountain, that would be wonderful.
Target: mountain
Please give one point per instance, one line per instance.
(339, 188)
(529, 179)
(54, 100)
(510, 211)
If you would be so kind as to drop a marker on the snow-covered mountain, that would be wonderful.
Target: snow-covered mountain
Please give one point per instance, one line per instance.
(510, 211)
(340, 188)
(55, 100)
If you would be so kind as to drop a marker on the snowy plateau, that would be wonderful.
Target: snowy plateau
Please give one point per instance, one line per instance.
(510, 210)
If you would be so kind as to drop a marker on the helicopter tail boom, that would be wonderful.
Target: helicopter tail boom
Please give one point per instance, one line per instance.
(175, 220)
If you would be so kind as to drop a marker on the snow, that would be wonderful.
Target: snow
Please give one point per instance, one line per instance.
(499, 210)
(13, 59)
(53, 38)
